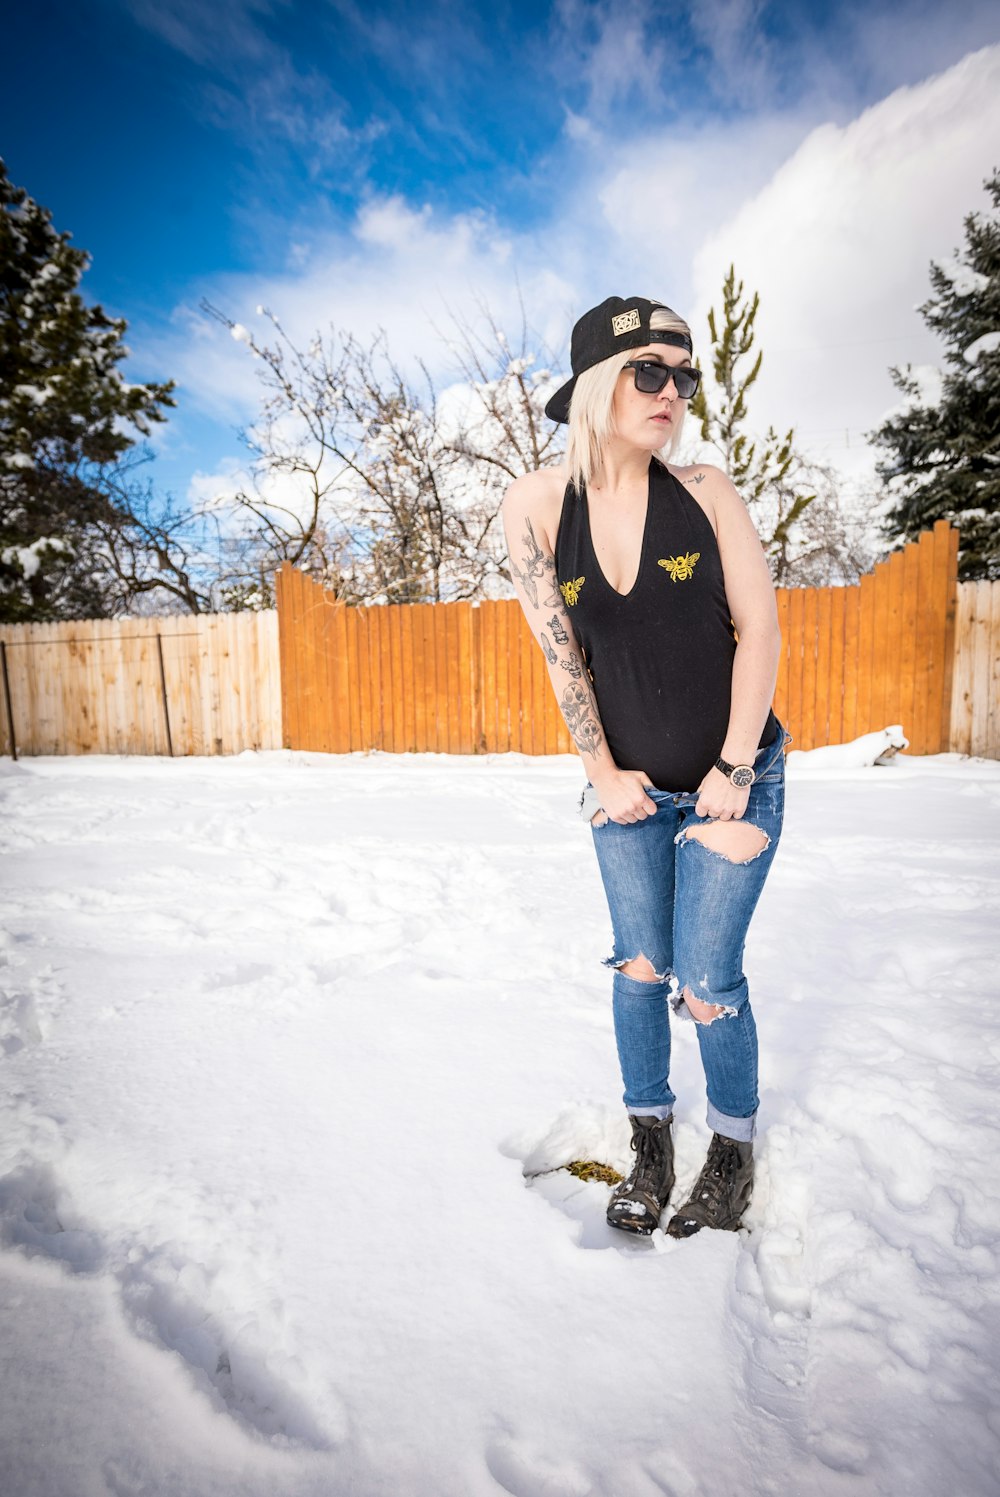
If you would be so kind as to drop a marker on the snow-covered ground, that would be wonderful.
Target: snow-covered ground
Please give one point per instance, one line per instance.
(285, 1041)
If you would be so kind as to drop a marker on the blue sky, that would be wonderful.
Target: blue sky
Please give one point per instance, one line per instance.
(375, 164)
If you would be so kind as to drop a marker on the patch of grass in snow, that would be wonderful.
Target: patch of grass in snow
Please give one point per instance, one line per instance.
(590, 1169)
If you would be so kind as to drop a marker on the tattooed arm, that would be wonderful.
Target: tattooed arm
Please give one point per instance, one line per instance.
(531, 516)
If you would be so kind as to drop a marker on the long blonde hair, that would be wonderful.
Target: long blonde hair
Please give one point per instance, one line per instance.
(591, 419)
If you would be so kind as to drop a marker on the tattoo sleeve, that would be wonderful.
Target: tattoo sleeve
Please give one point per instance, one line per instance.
(533, 564)
(579, 708)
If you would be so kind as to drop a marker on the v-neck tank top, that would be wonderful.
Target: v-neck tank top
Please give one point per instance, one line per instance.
(661, 655)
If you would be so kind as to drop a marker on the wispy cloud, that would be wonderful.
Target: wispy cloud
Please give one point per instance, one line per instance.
(249, 83)
(612, 48)
(746, 69)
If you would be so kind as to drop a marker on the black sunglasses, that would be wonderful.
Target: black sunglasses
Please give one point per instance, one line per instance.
(651, 377)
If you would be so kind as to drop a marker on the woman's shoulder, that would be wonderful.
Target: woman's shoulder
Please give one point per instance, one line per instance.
(702, 476)
(538, 495)
(711, 487)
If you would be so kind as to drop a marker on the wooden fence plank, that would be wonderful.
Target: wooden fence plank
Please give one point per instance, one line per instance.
(881, 706)
(359, 663)
(808, 706)
(926, 628)
(436, 690)
(981, 661)
(526, 648)
(796, 607)
(463, 653)
(352, 719)
(989, 745)
(892, 707)
(376, 623)
(852, 620)
(408, 719)
(835, 666)
(418, 675)
(505, 689)
(906, 684)
(390, 677)
(821, 716)
(476, 683)
(945, 602)
(781, 685)
(488, 654)
(334, 705)
(963, 685)
(296, 658)
(866, 634)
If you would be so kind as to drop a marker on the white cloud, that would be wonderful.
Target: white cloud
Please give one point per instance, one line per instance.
(835, 227)
(661, 195)
(839, 244)
(398, 267)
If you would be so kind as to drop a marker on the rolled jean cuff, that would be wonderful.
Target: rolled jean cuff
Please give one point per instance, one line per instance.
(742, 1129)
(657, 1111)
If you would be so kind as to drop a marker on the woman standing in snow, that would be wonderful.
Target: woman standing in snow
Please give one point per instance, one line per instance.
(632, 575)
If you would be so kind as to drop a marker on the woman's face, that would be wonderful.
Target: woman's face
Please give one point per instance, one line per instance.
(649, 421)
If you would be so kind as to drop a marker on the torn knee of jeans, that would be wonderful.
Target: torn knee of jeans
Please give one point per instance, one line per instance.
(736, 842)
(642, 969)
(698, 1006)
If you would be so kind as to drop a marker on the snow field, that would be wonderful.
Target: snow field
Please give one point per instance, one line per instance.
(291, 1048)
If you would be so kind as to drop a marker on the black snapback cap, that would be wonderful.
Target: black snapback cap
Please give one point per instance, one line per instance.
(620, 322)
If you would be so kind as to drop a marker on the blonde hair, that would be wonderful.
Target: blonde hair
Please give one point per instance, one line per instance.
(591, 417)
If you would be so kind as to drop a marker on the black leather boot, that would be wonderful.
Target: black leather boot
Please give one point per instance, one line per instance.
(637, 1203)
(721, 1192)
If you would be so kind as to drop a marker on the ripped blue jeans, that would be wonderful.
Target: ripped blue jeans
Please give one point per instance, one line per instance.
(686, 909)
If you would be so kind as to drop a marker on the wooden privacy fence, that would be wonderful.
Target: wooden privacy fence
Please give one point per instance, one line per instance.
(458, 678)
(191, 684)
(461, 679)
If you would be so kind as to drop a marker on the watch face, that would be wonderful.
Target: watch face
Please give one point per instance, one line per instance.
(742, 775)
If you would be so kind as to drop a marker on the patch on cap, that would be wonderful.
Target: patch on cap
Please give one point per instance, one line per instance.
(625, 322)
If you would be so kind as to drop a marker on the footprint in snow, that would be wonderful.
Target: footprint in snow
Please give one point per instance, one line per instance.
(521, 1470)
(37, 1218)
(19, 1024)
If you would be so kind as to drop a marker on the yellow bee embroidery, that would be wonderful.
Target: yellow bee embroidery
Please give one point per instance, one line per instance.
(571, 590)
(680, 567)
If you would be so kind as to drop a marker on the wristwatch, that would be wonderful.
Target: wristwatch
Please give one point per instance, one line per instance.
(740, 775)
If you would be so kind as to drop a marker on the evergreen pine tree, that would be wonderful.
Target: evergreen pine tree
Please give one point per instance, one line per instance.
(764, 472)
(65, 419)
(944, 456)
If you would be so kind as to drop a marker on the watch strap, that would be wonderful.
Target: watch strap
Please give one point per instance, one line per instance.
(730, 769)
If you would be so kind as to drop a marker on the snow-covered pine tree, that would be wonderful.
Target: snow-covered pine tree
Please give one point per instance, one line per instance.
(65, 419)
(943, 457)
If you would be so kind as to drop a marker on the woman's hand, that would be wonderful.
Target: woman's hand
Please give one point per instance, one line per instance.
(623, 794)
(719, 798)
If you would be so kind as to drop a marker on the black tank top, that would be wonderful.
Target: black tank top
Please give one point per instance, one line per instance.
(661, 655)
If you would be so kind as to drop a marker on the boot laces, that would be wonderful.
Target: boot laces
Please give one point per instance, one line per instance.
(719, 1172)
(649, 1147)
